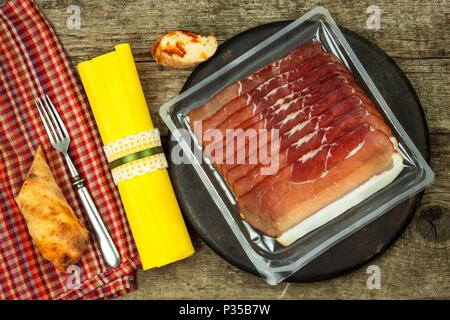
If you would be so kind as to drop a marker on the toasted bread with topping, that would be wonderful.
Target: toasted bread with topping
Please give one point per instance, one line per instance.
(183, 49)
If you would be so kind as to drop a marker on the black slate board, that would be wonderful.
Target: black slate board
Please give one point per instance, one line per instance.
(357, 249)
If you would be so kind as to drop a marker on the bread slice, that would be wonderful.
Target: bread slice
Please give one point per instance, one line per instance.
(57, 233)
(182, 49)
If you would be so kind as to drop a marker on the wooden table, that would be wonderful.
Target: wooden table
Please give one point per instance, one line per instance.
(416, 34)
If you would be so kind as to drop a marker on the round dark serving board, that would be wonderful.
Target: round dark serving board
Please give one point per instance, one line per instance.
(357, 249)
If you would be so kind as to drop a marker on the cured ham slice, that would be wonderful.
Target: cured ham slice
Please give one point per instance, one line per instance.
(286, 105)
(245, 107)
(302, 85)
(335, 80)
(333, 148)
(295, 58)
(317, 179)
(305, 121)
(270, 89)
(291, 151)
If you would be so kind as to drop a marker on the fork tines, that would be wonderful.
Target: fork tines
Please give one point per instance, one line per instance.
(53, 123)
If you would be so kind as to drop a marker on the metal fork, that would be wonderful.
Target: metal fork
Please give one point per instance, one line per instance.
(60, 140)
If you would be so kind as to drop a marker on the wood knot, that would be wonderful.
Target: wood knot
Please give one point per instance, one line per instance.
(434, 224)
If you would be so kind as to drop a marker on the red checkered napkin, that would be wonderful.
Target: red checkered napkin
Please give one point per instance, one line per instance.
(32, 62)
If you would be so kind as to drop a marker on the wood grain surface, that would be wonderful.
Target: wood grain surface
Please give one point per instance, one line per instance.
(416, 34)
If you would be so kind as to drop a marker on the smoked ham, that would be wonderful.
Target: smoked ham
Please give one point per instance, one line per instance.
(305, 114)
(325, 128)
(241, 87)
(317, 179)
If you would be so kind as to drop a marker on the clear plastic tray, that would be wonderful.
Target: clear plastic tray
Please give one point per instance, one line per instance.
(273, 261)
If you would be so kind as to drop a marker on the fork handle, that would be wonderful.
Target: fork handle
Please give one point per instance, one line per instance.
(107, 247)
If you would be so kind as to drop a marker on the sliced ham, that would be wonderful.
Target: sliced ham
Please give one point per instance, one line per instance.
(295, 58)
(317, 179)
(245, 177)
(333, 142)
(303, 122)
(298, 99)
(282, 106)
(303, 86)
(295, 113)
(269, 89)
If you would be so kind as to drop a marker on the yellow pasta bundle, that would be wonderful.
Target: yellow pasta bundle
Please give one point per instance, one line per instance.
(133, 148)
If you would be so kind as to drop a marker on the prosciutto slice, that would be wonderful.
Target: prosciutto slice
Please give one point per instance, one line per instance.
(268, 121)
(269, 89)
(243, 182)
(305, 121)
(332, 141)
(295, 58)
(316, 179)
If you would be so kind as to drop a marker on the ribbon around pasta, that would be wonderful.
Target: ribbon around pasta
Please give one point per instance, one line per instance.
(135, 155)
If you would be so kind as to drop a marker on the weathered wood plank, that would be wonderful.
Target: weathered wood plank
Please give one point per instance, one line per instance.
(431, 80)
(409, 28)
(416, 266)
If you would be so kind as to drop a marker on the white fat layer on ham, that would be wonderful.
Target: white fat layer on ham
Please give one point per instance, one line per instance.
(254, 106)
(394, 142)
(325, 172)
(283, 104)
(355, 150)
(304, 139)
(329, 153)
(294, 114)
(310, 154)
(274, 91)
(278, 64)
(300, 125)
(268, 82)
(239, 88)
(325, 136)
(249, 98)
(309, 136)
(289, 118)
(348, 201)
(253, 76)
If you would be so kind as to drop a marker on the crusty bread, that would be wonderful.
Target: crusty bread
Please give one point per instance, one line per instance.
(182, 49)
(56, 231)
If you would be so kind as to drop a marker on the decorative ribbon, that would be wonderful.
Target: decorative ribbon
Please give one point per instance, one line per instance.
(135, 155)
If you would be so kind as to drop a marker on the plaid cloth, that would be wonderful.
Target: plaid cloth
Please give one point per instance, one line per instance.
(32, 62)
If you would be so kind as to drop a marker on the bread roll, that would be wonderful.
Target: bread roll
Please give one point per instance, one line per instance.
(57, 233)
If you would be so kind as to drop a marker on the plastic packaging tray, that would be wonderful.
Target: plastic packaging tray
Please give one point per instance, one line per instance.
(273, 261)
